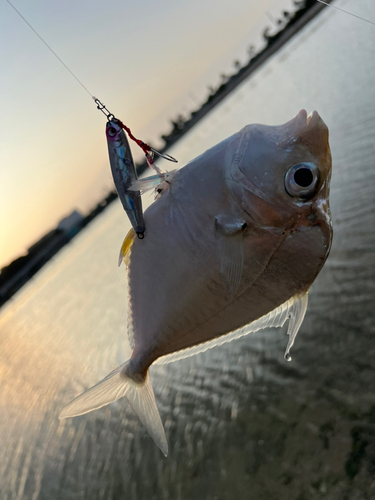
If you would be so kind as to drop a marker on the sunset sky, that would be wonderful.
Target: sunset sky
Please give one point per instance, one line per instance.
(146, 60)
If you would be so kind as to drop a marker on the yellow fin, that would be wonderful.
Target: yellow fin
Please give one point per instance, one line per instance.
(126, 246)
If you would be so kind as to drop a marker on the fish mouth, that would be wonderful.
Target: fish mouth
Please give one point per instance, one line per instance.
(302, 119)
(307, 128)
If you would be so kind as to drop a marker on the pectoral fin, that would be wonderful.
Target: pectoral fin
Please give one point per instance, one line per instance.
(230, 232)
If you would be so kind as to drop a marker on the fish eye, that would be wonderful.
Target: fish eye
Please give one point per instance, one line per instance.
(301, 180)
(112, 131)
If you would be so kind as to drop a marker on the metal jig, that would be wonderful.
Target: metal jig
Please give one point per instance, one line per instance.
(110, 116)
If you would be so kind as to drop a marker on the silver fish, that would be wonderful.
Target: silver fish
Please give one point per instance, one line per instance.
(235, 240)
(124, 174)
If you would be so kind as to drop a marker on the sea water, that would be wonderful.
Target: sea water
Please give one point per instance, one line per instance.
(241, 422)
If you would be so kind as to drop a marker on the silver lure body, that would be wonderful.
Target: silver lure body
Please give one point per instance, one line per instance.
(124, 174)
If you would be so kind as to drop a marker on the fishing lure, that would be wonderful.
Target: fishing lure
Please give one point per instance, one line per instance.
(124, 174)
(128, 186)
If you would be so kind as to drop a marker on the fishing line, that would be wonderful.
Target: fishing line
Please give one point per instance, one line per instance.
(347, 12)
(49, 48)
(148, 150)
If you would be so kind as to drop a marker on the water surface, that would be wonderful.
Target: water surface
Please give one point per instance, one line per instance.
(241, 422)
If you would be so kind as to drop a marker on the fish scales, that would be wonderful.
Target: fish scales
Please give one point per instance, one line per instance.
(171, 322)
(233, 243)
(194, 306)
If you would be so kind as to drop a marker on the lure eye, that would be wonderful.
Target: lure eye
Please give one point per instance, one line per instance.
(112, 131)
(301, 180)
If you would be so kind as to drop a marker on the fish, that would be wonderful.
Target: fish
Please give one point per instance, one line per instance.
(124, 175)
(235, 239)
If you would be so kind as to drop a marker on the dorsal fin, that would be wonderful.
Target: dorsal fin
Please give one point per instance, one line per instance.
(294, 309)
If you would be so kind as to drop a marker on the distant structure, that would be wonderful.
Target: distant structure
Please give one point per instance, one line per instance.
(14, 276)
(70, 225)
(287, 26)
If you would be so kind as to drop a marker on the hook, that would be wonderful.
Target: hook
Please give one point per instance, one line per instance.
(164, 155)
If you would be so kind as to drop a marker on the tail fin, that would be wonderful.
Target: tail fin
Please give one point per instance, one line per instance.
(113, 387)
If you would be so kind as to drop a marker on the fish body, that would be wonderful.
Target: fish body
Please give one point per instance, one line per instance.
(235, 240)
(285, 242)
(124, 174)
